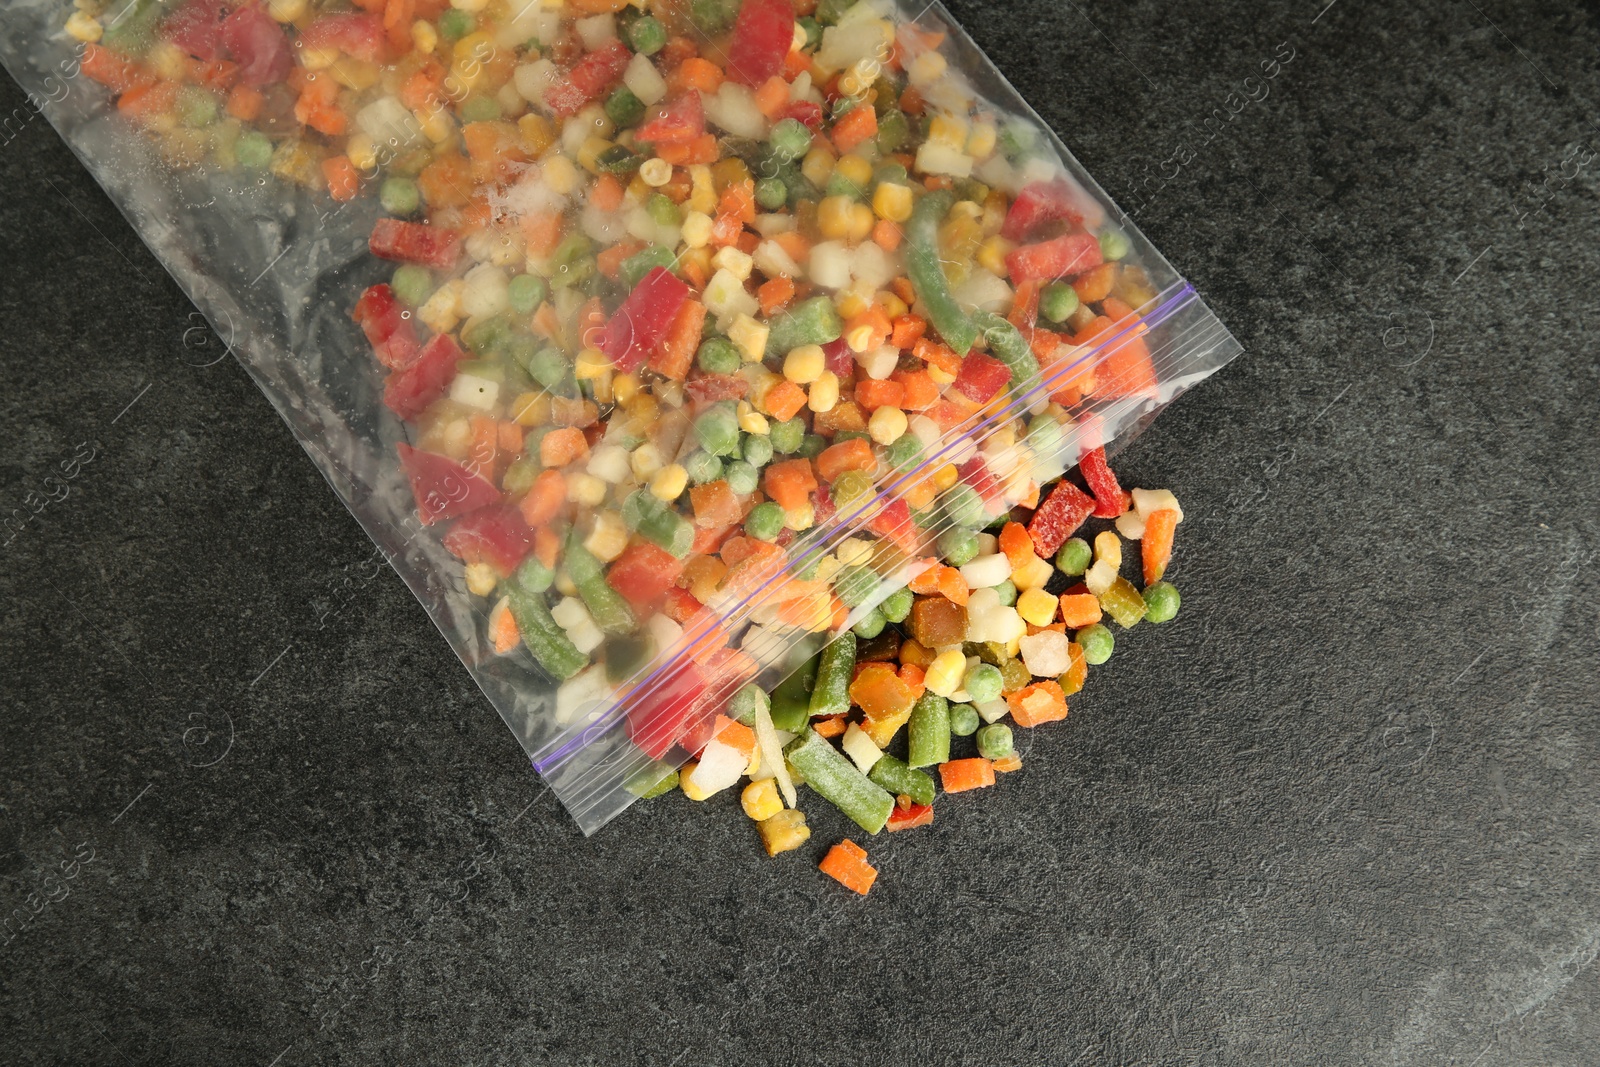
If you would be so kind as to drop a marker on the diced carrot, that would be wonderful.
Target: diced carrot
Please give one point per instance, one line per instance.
(1016, 544)
(541, 231)
(607, 193)
(872, 395)
(1155, 547)
(609, 261)
(960, 775)
(846, 862)
(854, 127)
(773, 97)
(790, 483)
(774, 294)
(914, 676)
(697, 73)
(887, 235)
(715, 504)
(510, 441)
(926, 581)
(875, 322)
(547, 545)
(546, 322)
(1094, 285)
(674, 355)
(1072, 681)
(696, 266)
(852, 455)
(398, 15)
(937, 355)
(1025, 305)
(795, 246)
(341, 177)
(244, 103)
(563, 446)
(917, 390)
(447, 181)
(908, 330)
(702, 149)
(545, 497)
(112, 69)
(796, 63)
(784, 400)
(903, 288)
(880, 692)
(1038, 703)
(739, 200)
(680, 606)
(1079, 610)
(952, 586)
(832, 726)
(503, 632)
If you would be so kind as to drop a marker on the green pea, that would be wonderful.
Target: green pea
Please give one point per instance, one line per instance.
(742, 478)
(527, 292)
(399, 196)
(253, 151)
(757, 450)
(765, 521)
(534, 576)
(647, 35)
(1097, 644)
(905, 453)
(958, 546)
(481, 109)
(790, 139)
(548, 367)
(747, 703)
(890, 172)
(196, 106)
(623, 108)
(812, 446)
(771, 193)
(896, 607)
(1058, 301)
(1161, 601)
(963, 720)
(871, 625)
(519, 477)
(662, 210)
(813, 30)
(455, 24)
(994, 741)
(963, 506)
(411, 284)
(1074, 557)
(642, 262)
(894, 130)
(703, 467)
(1007, 592)
(718, 355)
(983, 683)
(855, 585)
(1114, 244)
(787, 436)
(718, 431)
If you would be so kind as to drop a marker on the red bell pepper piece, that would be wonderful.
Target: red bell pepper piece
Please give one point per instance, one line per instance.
(1109, 500)
(976, 473)
(196, 27)
(822, 505)
(1071, 253)
(894, 522)
(258, 44)
(837, 357)
(493, 535)
(761, 39)
(594, 74)
(1037, 204)
(410, 390)
(981, 377)
(393, 337)
(444, 488)
(643, 573)
(643, 319)
(910, 817)
(415, 242)
(680, 606)
(668, 709)
(1062, 512)
(679, 122)
(707, 389)
(360, 36)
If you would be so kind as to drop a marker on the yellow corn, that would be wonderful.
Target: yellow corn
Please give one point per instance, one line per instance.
(861, 222)
(946, 672)
(84, 27)
(945, 476)
(992, 255)
(834, 217)
(887, 425)
(608, 538)
(1108, 547)
(669, 482)
(702, 193)
(892, 201)
(751, 420)
(785, 831)
(817, 166)
(853, 550)
(824, 393)
(286, 10)
(423, 36)
(697, 227)
(855, 169)
(760, 800)
(481, 579)
(1031, 575)
(531, 409)
(750, 336)
(948, 130)
(1037, 607)
(591, 363)
(362, 151)
(537, 133)
(805, 364)
(980, 143)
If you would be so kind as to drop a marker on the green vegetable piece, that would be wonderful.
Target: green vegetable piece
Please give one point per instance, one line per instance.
(963, 720)
(527, 292)
(611, 612)
(839, 781)
(962, 506)
(994, 741)
(905, 453)
(1123, 603)
(851, 489)
(810, 322)
(812, 446)
(757, 450)
(662, 210)
(718, 430)
(765, 521)
(647, 35)
(618, 160)
(747, 702)
(958, 546)
(703, 467)
(197, 107)
(786, 436)
(870, 626)
(741, 477)
(652, 780)
(718, 355)
(927, 273)
(1097, 644)
(1058, 301)
(657, 523)
(929, 731)
(896, 607)
(855, 584)
(898, 777)
(771, 193)
(455, 24)
(412, 284)
(623, 108)
(790, 139)
(1162, 600)
(1015, 675)
(831, 693)
(1009, 347)
(399, 196)
(829, 12)
(643, 262)
(713, 16)
(1074, 557)
(1007, 592)
(254, 151)
(1114, 244)
(791, 700)
(534, 576)
(549, 368)
(626, 655)
(983, 683)
(548, 642)
(481, 108)
(893, 131)
(813, 30)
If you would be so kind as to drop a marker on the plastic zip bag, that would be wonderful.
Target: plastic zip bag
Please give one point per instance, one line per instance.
(585, 338)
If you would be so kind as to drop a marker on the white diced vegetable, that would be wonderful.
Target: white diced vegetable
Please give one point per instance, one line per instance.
(1146, 501)
(475, 392)
(644, 81)
(985, 572)
(861, 748)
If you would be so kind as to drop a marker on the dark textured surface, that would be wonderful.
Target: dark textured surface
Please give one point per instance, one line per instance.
(1343, 811)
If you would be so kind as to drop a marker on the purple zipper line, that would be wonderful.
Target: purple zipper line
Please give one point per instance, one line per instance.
(844, 528)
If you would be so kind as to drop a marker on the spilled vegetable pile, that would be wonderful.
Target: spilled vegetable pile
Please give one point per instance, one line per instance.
(735, 348)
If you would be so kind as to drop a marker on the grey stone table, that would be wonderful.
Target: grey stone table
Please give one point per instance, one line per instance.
(1344, 811)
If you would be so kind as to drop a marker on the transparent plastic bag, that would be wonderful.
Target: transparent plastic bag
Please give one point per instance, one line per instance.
(598, 343)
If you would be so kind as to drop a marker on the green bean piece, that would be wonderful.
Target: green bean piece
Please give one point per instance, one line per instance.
(548, 642)
(658, 523)
(898, 777)
(791, 699)
(747, 702)
(929, 731)
(831, 693)
(927, 273)
(839, 781)
(611, 612)
(810, 322)
(1010, 348)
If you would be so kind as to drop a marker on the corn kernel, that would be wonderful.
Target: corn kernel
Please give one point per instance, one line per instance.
(702, 193)
(855, 169)
(697, 227)
(286, 10)
(939, 375)
(800, 519)
(861, 222)
(750, 337)
(435, 125)
(655, 172)
(1037, 607)
(737, 263)
(927, 68)
(1032, 574)
(853, 550)
(859, 78)
(823, 395)
(805, 364)
(168, 61)
(423, 36)
(560, 176)
(992, 255)
(362, 151)
(760, 800)
(608, 538)
(817, 166)
(589, 153)
(827, 567)
(625, 388)
(834, 217)
(892, 305)
(751, 420)
(318, 58)
(945, 476)
(785, 831)
(564, 584)
(481, 579)
(84, 27)
(946, 672)
(584, 488)
(949, 131)
(981, 142)
(892, 201)
(591, 363)
(1108, 547)
(537, 133)
(887, 425)
(441, 311)
(668, 483)
(472, 6)
(915, 655)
